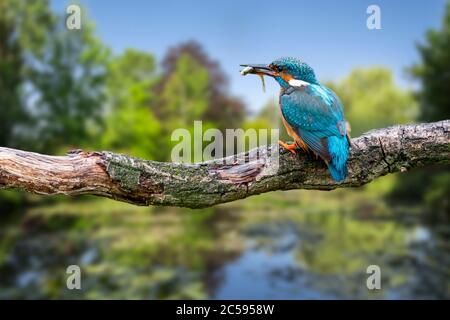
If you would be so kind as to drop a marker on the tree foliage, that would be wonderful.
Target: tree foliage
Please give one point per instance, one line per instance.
(68, 87)
(131, 126)
(433, 72)
(51, 78)
(145, 106)
(186, 93)
(224, 110)
(372, 100)
(24, 27)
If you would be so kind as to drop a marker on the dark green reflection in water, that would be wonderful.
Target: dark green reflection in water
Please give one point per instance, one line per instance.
(280, 246)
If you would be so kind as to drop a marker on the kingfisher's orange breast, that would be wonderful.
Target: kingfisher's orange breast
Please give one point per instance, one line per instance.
(291, 132)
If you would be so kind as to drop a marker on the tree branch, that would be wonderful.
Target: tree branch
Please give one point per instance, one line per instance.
(205, 184)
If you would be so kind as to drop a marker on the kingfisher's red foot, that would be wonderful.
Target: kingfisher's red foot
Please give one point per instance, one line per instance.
(290, 147)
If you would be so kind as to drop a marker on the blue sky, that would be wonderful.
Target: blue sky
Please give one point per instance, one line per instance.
(329, 35)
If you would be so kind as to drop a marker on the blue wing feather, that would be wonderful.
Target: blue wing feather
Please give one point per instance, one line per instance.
(316, 114)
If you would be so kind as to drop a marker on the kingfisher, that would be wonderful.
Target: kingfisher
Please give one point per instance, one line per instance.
(311, 113)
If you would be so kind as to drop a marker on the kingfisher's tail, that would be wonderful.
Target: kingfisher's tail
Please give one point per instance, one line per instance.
(338, 149)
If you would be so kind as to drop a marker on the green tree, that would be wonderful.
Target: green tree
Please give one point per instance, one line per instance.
(372, 100)
(433, 72)
(223, 110)
(131, 125)
(68, 84)
(185, 95)
(24, 27)
(193, 87)
(183, 99)
(431, 184)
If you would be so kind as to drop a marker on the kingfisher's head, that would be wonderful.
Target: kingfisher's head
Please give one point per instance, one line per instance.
(283, 70)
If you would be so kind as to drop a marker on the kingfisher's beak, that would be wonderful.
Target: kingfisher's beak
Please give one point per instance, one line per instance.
(259, 69)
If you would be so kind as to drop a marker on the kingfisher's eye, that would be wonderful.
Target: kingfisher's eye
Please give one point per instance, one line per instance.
(277, 68)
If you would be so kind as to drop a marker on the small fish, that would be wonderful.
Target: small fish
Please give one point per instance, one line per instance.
(248, 70)
(263, 82)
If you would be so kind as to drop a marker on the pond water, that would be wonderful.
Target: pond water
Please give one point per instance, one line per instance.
(226, 253)
(277, 270)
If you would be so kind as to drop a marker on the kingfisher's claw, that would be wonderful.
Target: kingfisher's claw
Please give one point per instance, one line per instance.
(290, 147)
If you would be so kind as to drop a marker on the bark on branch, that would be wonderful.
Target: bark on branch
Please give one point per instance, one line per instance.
(205, 184)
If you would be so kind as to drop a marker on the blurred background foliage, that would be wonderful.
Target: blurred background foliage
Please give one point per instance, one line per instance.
(365, 110)
(61, 90)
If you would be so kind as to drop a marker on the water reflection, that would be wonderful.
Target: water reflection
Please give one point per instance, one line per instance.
(308, 260)
(246, 251)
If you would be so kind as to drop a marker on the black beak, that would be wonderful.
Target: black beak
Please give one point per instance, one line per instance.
(260, 69)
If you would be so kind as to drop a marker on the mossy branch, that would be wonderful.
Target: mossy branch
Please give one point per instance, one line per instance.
(143, 182)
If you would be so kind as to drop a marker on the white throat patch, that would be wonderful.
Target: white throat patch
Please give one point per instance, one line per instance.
(298, 83)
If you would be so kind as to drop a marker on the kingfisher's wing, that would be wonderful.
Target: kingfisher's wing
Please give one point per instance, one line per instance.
(315, 113)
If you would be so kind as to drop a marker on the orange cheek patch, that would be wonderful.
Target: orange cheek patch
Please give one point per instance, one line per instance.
(286, 77)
